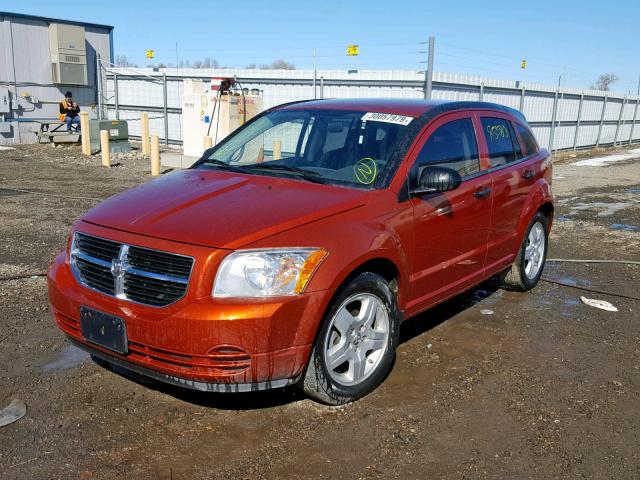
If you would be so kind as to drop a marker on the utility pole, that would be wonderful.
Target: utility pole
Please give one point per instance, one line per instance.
(177, 58)
(428, 74)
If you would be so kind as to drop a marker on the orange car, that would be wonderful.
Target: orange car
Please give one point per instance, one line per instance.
(292, 251)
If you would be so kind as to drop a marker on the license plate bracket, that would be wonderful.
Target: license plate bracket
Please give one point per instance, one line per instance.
(104, 329)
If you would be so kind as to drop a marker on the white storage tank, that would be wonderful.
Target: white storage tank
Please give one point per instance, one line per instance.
(199, 119)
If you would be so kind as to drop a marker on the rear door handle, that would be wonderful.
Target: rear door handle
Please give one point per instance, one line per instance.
(528, 174)
(482, 193)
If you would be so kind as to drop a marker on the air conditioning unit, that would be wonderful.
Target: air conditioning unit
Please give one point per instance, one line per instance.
(68, 54)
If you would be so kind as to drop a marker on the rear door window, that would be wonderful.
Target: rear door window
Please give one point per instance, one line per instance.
(452, 145)
(530, 144)
(499, 141)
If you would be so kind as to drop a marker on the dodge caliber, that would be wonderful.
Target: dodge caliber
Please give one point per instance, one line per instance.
(291, 252)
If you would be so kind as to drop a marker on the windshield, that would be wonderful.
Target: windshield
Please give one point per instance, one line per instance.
(328, 146)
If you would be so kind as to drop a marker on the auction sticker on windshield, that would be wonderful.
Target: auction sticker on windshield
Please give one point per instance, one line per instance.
(387, 118)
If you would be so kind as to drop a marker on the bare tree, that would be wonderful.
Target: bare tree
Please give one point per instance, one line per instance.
(251, 66)
(210, 63)
(121, 61)
(278, 65)
(605, 81)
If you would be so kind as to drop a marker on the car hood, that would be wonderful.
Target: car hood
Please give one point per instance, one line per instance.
(221, 209)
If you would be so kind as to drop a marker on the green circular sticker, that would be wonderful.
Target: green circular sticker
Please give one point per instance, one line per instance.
(365, 170)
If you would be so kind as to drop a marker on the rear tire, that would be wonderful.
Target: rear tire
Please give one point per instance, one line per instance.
(526, 270)
(356, 344)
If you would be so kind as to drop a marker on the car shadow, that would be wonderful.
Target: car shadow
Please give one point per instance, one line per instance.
(434, 316)
(409, 330)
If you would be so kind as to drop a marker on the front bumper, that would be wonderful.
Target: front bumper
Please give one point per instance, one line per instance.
(181, 381)
(199, 342)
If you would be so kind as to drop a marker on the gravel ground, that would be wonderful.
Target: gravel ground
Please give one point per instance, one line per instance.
(492, 384)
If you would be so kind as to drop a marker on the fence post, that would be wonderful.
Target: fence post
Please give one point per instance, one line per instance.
(315, 81)
(166, 114)
(155, 155)
(633, 122)
(553, 119)
(144, 132)
(522, 100)
(624, 103)
(321, 87)
(428, 73)
(104, 148)
(604, 107)
(277, 150)
(99, 85)
(481, 96)
(208, 142)
(84, 133)
(575, 135)
(116, 99)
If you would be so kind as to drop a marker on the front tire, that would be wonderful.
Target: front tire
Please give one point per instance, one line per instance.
(356, 344)
(526, 270)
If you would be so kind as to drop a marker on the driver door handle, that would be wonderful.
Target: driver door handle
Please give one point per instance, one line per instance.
(482, 193)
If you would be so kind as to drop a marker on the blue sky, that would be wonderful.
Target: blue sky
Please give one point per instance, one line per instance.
(578, 39)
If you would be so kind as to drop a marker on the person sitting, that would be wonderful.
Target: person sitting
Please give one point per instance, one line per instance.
(70, 110)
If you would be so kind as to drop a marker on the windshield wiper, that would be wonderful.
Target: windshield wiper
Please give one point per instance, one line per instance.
(221, 165)
(299, 172)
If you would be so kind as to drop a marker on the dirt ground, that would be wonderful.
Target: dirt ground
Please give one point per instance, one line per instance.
(492, 384)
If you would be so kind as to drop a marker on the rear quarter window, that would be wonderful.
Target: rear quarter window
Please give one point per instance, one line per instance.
(529, 141)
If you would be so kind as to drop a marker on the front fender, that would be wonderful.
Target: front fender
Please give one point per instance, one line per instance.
(352, 239)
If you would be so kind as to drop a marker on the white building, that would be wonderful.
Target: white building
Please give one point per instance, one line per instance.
(41, 59)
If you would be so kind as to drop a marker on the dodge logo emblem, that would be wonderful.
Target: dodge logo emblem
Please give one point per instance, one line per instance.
(117, 267)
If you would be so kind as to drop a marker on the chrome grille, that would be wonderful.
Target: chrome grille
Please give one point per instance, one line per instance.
(133, 273)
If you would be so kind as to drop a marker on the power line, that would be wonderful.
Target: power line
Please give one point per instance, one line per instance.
(537, 60)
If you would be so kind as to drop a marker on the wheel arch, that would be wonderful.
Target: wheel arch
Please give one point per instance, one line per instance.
(547, 209)
(540, 199)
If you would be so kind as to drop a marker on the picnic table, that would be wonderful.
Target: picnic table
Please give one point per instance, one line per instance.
(55, 131)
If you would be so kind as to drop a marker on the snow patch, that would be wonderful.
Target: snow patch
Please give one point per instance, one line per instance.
(603, 161)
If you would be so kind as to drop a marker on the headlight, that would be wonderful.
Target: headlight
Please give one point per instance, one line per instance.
(266, 273)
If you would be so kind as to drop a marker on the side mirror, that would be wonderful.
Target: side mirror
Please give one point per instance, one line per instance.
(435, 180)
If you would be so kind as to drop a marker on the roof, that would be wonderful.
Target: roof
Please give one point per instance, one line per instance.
(54, 20)
(413, 107)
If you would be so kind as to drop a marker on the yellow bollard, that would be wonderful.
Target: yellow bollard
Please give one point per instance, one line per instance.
(144, 133)
(155, 155)
(104, 148)
(277, 149)
(208, 142)
(84, 133)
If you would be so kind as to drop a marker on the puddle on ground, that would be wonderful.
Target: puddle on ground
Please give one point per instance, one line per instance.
(571, 302)
(633, 191)
(604, 209)
(570, 280)
(68, 358)
(624, 227)
(9, 192)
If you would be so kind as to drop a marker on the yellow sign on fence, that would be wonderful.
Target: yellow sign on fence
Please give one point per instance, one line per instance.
(352, 50)
(149, 53)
